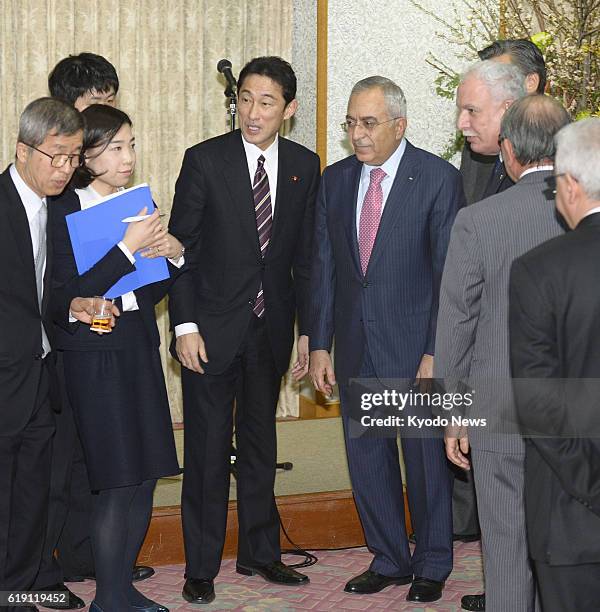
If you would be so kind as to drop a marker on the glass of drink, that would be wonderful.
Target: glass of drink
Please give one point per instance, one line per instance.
(102, 315)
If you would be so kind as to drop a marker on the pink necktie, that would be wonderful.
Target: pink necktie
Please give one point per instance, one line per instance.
(370, 216)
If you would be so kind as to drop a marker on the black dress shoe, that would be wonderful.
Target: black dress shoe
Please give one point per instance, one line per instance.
(198, 590)
(372, 582)
(474, 603)
(425, 590)
(71, 601)
(141, 572)
(275, 572)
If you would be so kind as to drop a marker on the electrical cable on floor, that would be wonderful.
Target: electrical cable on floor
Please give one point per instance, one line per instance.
(309, 558)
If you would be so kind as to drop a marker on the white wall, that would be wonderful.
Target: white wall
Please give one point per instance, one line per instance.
(390, 38)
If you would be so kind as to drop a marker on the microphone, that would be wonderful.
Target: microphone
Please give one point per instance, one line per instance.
(224, 67)
(287, 465)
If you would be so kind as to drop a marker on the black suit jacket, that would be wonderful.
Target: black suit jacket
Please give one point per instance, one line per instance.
(213, 216)
(20, 316)
(67, 284)
(555, 353)
(477, 172)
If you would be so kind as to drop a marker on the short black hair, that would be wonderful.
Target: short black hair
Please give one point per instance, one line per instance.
(524, 54)
(276, 69)
(75, 75)
(101, 124)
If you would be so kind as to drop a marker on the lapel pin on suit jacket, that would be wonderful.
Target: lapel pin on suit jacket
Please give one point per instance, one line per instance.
(294, 178)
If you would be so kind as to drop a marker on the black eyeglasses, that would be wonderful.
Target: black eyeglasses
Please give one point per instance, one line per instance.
(368, 124)
(60, 159)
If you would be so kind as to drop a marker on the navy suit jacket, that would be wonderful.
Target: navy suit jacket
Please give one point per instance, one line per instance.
(392, 309)
(67, 284)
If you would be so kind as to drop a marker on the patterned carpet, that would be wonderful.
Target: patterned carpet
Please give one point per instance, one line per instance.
(324, 593)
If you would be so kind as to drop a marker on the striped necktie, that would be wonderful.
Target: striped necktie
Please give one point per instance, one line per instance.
(264, 221)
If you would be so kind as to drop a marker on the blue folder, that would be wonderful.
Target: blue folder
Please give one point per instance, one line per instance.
(96, 230)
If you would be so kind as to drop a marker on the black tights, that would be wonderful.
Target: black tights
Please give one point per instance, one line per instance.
(120, 519)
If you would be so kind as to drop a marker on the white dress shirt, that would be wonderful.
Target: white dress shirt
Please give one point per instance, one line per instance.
(271, 166)
(390, 167)
(32, 204)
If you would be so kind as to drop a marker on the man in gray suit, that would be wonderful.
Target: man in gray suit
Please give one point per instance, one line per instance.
(472, 341)
(486, 90)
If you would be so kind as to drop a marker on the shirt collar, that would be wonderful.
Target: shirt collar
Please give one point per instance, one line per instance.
(545, 168)
(89, 197)
(592, 211)
(31, 200)
(390, 165)
(253, 152)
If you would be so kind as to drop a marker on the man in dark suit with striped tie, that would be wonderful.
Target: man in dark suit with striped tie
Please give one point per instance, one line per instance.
(382, 225)
(243, 209)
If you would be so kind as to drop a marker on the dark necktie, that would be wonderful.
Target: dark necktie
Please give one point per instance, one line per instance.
(496, 180)
(264, 221)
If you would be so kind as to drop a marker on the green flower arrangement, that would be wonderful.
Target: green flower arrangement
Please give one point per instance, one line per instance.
(567, 32)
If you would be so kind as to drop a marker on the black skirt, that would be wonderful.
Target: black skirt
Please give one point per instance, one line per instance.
(121, 410)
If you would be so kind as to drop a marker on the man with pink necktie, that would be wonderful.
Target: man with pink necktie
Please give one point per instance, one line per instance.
(382, 225)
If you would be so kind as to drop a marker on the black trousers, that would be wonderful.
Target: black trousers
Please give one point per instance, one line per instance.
(69, 508)
(208, 408)
(568, 588)
(24, 485)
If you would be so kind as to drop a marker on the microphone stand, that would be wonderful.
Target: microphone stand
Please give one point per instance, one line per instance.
(230, 93)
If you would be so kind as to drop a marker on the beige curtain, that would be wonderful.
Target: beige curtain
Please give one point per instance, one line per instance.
(165, 54)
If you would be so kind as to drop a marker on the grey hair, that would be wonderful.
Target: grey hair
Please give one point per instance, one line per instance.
(48, 115)
(531, 124)
(504, 81)
(578, 153)
(395, 101)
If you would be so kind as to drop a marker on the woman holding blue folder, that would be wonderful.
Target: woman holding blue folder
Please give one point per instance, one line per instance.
(115, 380)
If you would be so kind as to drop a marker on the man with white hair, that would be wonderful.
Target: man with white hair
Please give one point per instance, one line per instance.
(485, 91)
(554, 331)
